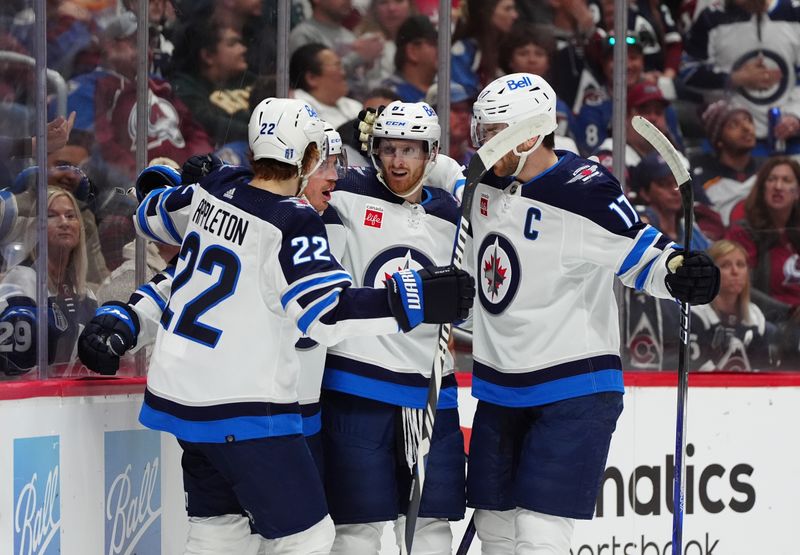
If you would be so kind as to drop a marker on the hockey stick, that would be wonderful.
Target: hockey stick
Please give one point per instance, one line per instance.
(469, 535)
(682, 177)
(486, 157)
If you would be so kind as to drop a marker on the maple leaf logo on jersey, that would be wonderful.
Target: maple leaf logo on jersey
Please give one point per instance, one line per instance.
(387, 276)
(495, 275)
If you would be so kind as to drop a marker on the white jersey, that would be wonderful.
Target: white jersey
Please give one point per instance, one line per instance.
(384, 234)
(545, 319)
(253, 275)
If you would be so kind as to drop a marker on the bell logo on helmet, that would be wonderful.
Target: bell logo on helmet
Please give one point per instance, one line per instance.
(428, 110)
(311, 111)
(521, 84)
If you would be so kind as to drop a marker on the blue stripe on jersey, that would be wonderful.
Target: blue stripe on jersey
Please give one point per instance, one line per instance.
(220, 431)
(635, 255)
(312, 424)
(315, 310)
(165, 217)
(296, 290)
(458, 185)
(386, 392)
(148, 290)
(642, 277)
(141, 215)
(548, 392)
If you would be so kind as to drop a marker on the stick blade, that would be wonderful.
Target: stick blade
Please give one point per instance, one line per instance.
(656, 138)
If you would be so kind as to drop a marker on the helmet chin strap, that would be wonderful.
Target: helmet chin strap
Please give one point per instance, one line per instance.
(304, 178)
(523, 156)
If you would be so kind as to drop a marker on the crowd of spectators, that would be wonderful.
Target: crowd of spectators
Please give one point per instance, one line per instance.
(717, 77)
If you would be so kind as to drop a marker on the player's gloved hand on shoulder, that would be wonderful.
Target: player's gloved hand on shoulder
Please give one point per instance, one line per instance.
(156, 177)
(434, 295)
(693, 277)
(365, 123)
(199, 166)
(107, 337)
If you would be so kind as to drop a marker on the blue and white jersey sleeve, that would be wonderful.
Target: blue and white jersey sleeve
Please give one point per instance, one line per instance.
(149, 301)
(447, 174)
(164, 214)
(610, 234)
(318, 293)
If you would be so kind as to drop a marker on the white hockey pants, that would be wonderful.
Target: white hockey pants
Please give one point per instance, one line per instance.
(433, 537)
(523, 532)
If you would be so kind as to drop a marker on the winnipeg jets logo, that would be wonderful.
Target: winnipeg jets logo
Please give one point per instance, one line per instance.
(499, 273)
(495, 274)
(392, 260)
(584, 173)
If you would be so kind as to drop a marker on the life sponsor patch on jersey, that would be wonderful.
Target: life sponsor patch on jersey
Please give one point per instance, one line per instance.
(391, 260)
(373, 216)
(499, 273)
(484, 204)
(584, 173)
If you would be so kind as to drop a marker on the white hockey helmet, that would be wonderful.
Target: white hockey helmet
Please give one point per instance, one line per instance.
(509, 99)
(335, 155)
(282, 128)
(415, 121)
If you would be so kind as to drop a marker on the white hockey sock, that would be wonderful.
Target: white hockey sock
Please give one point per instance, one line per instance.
(221, 535)
(496, 531)
(541, 534)
(433, 536)
(316, 540)
(358, 539)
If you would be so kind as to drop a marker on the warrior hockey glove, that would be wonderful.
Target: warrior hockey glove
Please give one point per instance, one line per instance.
(364, 124)
(155, 177)
(693, 277)
(107, 337)
(435, 295)
(199, 166)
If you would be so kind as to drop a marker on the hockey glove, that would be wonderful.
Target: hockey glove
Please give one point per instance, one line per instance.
(155, 177)
(693, 277)
(107, 337)
(434, 295)
(199, 166)
(364, 124)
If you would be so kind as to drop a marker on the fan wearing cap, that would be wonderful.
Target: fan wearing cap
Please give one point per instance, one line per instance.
(416, 60)
(255, 274)
(657, 189)
(646, 100)
(594, 107)
(460, 114)
(726, 175)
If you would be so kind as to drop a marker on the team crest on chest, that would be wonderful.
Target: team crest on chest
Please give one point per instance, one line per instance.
(392, 260)
(498, 272)
(373, 216)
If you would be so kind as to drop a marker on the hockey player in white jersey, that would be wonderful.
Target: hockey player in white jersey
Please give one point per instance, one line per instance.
(551, 231)
(374, 387)
(254, 273)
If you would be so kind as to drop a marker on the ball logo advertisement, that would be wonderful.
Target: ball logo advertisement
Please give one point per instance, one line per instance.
(132, 508)
(37, 496)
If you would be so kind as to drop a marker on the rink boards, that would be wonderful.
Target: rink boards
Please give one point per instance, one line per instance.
(79, 476)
